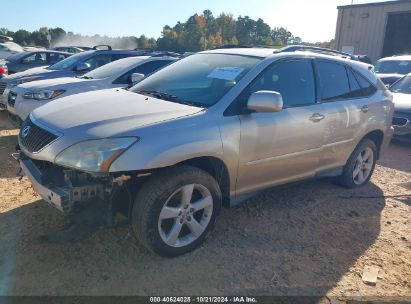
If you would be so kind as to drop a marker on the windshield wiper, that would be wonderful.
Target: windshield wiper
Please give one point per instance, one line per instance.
(158, 94)
(86, 77)
(170, 97)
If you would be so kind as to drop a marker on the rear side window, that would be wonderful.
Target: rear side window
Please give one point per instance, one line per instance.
(293, 79)
(334, 83)
(360, 87)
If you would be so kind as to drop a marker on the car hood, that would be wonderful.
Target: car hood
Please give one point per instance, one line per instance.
(402, 102)
(53, 83)
(106, 113)
(38, 72)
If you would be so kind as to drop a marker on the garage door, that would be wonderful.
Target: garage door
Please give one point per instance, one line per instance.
(397, 35)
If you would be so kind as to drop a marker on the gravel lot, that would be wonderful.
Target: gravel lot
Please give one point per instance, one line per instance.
(310, 239)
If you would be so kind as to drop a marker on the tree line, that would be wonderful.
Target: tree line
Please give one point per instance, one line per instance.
(198, 33)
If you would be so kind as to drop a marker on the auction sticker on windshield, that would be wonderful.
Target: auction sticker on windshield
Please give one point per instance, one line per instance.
(225, 73)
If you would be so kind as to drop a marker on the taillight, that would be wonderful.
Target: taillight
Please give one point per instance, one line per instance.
(4, 70)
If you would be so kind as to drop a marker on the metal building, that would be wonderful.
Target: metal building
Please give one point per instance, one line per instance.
(375, 29)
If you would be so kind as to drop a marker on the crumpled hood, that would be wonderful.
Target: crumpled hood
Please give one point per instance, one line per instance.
(402, 102)
(38, 72)
(110, 112)
(55, 83)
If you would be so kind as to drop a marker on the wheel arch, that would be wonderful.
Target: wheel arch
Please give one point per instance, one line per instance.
(217, 169)
(377, 136)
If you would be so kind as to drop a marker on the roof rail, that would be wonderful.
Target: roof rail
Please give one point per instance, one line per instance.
(97, 47)
(294, 48)
(231, 46)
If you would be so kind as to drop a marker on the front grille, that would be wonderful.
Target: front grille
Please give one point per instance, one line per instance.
(399, 121)
(11, 99)
(3, 86)
(33, 138)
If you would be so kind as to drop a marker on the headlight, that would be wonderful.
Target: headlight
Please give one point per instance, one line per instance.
(43, 94)
(94, 155)
(14, 83)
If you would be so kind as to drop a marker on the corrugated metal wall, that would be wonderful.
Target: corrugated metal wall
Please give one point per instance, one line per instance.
(363, 26)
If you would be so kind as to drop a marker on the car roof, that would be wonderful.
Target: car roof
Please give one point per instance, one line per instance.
(397, 58)
(132, 52)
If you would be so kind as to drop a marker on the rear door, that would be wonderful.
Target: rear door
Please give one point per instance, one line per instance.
(345, 110)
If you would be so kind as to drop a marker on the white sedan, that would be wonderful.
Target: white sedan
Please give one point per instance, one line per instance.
(26, 97)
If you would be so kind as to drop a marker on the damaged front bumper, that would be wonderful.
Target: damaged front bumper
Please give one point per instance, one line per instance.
(64, 196)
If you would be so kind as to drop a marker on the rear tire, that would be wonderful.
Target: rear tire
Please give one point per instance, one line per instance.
(175, 210)
(360, 166)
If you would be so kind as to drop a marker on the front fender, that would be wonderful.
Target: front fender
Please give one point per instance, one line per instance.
(166, 147)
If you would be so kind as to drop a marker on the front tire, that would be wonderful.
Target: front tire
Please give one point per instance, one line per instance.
(175, 210)
(360, 166)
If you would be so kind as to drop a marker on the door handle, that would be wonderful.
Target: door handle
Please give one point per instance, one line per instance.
(316, 117)
(365, 109)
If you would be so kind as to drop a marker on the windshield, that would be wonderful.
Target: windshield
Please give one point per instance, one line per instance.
(402, 86)
(200, 79)
(68, 62)
(393, 67)
(113, 68)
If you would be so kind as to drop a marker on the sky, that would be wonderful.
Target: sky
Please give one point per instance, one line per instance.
(312, 20)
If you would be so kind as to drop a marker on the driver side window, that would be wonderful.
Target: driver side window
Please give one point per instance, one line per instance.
(98, 61)
(38, 58)
(294, 79)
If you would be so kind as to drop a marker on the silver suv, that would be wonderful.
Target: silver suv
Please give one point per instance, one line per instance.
(205, 132)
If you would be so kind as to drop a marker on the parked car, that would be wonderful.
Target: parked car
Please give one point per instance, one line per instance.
(3, 69)
(72, 49)
(390, 69)
(9, 48)
(27, 60)
(75, 65)
(208, 130)
(401, 121)
(121, 73)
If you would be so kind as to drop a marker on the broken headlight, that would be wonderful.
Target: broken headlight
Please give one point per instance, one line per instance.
(94, 155)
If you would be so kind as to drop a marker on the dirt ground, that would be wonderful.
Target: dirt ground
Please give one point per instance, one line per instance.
(310, 239)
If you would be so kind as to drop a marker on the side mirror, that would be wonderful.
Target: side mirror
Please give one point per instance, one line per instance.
(82, 66)
(136, 77)
(265, 102)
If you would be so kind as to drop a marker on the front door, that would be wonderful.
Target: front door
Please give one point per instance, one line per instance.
(285, 146)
